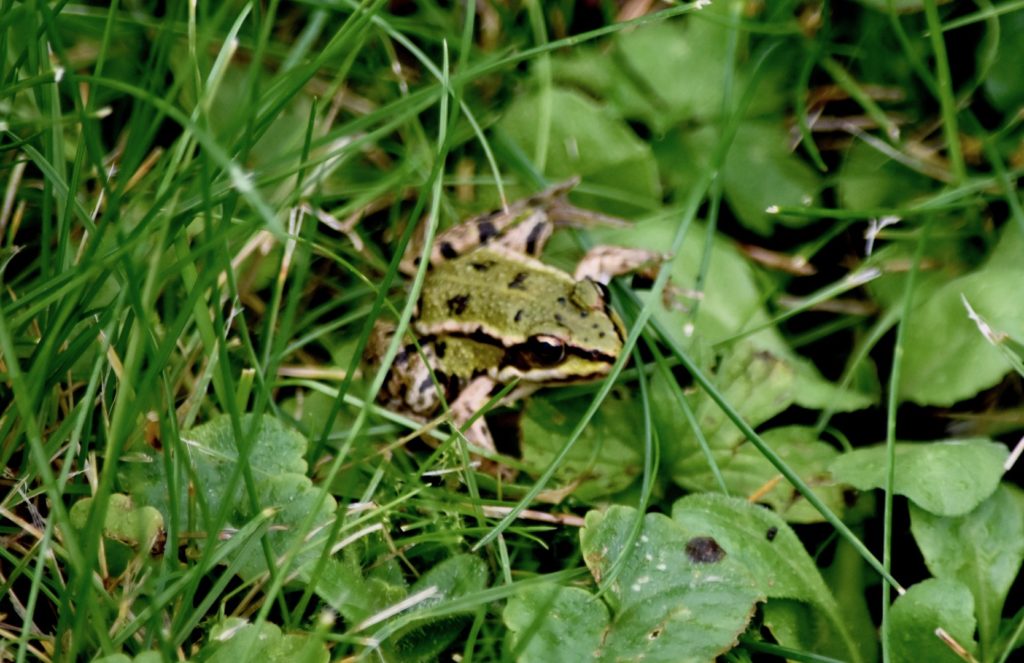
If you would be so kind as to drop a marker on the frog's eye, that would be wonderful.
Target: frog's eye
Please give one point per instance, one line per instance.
(543, 350)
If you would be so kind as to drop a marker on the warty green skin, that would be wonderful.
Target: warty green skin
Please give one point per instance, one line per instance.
(499, 297)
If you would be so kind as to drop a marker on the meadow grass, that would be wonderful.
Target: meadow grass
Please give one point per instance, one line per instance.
(205, 209)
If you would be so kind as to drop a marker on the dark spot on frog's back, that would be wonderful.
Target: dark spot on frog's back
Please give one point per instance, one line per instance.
(519, 315)
(482, 265)
(440, 348)
(486, 230)
(518, 281)
(771, 533)
(563, 301)
(457, 304)
(704, 550)
(448, 251)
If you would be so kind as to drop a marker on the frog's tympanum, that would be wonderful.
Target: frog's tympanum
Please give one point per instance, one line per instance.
(491, 313)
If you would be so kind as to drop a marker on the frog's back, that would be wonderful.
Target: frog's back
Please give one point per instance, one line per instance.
(508, 298)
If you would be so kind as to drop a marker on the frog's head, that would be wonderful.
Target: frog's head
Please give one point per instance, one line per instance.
(578, 340)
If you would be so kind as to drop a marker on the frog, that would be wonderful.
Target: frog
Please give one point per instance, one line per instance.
(491, 314)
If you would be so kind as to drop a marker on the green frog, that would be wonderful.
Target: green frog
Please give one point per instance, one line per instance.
(491, 313)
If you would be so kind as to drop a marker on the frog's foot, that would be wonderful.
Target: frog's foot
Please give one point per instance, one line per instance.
(563, 213)
(602, 263)
(470, 401)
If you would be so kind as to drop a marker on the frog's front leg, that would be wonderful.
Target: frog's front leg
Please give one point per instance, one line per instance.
(602, 263)
(472, 399)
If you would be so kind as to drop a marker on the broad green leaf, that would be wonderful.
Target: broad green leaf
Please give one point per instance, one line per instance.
(869, 179)
(1002, 85)
(555, 622)
(276, 458)
(759, 386)
(732, 302)
(679, 594)
(309, 411)
(582, 70)
(585, 139)
(234, 640)
(649, 64)
(135, 526)
(814, 392)
(759, 171)
(732, 299)
(684, 579)
(607, 457)
(928, 605)
(760, 539)
(746, 472)
(949, 477)
(799, 626)
(639, 73)
(129, 531)
(677, 597)
(982, 549)
(847, 576)
(426, 638)
(756, 383)
(343, 586)
(771, 551)
(946, 260)
(359, 597)
(946, 358)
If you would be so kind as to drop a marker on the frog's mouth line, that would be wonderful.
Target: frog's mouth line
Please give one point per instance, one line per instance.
(515, 355)
(484, 334)
(547, 377)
